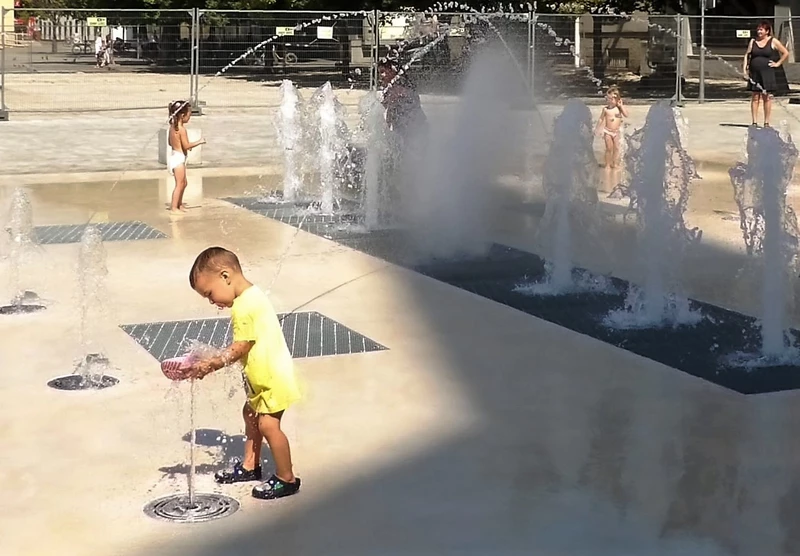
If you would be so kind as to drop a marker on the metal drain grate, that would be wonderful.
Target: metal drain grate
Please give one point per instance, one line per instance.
(111, 231)
(178, 508)
(308, 334)
(294, 213)
(23, 309)
(80, 382)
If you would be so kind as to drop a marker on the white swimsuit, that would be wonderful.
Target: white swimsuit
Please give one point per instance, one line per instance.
(176, 158)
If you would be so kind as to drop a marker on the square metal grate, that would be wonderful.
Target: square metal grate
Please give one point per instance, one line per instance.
(294, 214)
(111, 231)
(308, 334)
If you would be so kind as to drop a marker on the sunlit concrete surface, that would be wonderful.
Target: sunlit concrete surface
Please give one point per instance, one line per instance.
(127, 141)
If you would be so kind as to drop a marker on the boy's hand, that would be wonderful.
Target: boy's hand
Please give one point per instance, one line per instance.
(200, 369)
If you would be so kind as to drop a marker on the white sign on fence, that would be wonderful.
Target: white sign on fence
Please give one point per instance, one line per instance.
(284, 31)
(743, 33)
(324, 32)
(96, 22)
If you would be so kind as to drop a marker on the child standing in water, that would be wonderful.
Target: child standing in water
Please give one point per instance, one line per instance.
(610, 124)
(180, 112)
(269, 380)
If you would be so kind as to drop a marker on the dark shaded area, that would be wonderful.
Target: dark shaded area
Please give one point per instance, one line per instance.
(696, 350)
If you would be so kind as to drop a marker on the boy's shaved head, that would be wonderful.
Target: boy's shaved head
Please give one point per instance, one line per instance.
(213, 259)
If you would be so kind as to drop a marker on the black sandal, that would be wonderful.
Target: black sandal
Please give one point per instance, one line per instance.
(238, 474)
(274, 488)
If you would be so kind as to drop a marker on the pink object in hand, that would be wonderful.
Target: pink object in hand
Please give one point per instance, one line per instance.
(177, 367)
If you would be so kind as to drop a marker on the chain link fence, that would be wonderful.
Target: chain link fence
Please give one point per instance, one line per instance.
(726, 40)
(73, 61)
(241, 53)
(82, 60)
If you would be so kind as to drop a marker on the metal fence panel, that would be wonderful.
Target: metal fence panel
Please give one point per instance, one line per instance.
(726, 40)
(144, 62)
(235, 58)
(438, 48)
(580, 55)
(242, 52)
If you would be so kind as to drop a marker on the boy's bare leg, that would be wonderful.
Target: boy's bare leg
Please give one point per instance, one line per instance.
(270, 427)
(253, 439)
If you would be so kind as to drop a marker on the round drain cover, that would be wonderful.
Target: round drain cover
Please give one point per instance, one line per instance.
(80, 382)
(205, 508)
(20, 309)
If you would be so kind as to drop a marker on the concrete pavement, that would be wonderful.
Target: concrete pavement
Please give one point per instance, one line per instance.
(127, 141)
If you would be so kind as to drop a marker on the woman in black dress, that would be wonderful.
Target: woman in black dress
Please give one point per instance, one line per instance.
(759, 65)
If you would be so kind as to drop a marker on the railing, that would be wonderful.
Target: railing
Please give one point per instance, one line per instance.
(151, 57)
(13, 40)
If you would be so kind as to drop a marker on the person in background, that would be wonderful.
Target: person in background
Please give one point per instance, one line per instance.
(764, 54)
(609, 126)
(99, 51)
(180, 112)
(404, 113)
(109, 52)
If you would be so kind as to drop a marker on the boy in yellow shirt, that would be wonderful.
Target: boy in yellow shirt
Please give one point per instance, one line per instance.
(269, 379)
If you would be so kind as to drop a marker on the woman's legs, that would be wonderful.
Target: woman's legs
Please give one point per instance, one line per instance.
(766, 98)
(755, 100)
(180, 187)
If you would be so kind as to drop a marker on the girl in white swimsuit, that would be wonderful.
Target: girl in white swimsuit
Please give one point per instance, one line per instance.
(610, 124)
(180, 112)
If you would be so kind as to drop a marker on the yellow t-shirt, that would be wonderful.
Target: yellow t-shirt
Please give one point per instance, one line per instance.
(268, 368)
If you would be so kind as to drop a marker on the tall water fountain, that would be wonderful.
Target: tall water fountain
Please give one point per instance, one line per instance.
(22, 246)
(91, 371)
(375, 139)
(770, 231)
(450, 203)
(289, 127)
(660, 172)
(571, 200)
(329, 140)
